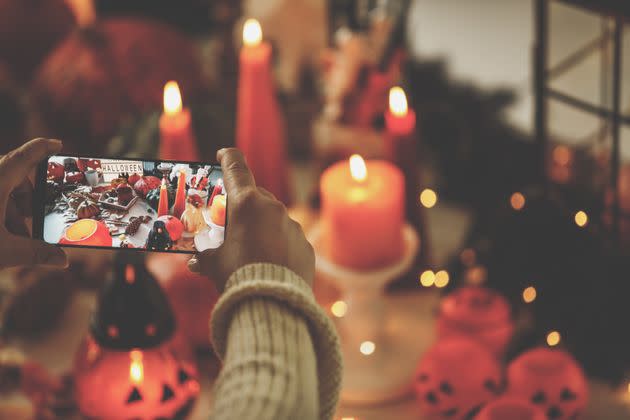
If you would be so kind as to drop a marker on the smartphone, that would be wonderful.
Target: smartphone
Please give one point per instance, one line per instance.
(151, 205)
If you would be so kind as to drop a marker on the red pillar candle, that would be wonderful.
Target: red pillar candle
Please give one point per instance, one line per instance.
(163, 203)
(362, 213)
(180, 196)
(259, 126)
(177, 141)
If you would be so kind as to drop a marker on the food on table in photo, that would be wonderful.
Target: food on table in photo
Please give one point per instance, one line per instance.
(70, 165)
(87, 232)
(217, 210)
(125, 194)
(146, 184)
(75, 177)
(159, 238)
(192, 218)
(56, 172)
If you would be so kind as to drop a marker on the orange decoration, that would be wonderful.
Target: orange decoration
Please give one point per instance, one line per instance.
(180, 196)
(87, 232)
(217, 210)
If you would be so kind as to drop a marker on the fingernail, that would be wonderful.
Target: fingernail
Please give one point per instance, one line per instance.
(193, 265)
(52, 256)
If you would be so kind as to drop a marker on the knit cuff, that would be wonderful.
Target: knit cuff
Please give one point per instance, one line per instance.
(275, 282)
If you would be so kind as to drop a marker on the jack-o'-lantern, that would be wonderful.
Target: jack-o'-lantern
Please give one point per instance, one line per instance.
(127, 367)
(87, 232)
(455, 378)
(173, 225)
(478, 313)
(550, 379)
(56, 172)
(509, 408)
(192, 296)
(124, 62)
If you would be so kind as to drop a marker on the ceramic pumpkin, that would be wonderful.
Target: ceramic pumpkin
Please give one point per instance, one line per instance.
(510, 408)
(173, 225)
(133, 178)
(550, 379)
(478, 313)
(455, 377)
(56, 172)
(146, 184)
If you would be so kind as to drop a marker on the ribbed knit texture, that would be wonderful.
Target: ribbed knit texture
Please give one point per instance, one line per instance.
(280, 351)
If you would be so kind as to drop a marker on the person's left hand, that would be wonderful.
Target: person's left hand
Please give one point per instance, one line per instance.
(16, 194)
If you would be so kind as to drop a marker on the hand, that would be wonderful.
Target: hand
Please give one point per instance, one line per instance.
(259, 229)
(16, 195)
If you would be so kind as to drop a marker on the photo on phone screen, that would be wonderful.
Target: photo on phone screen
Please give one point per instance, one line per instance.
(123, 203)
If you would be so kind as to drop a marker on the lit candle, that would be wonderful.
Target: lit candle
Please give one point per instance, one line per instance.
(362, 213)
(163, 203)
(259, 126)
(180, 196)
(177, 141)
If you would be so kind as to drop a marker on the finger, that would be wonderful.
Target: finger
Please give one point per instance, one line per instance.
(15, 222)
(18, 251)
(23, 197)
(236, 174)
(207, 264)
(266, 193)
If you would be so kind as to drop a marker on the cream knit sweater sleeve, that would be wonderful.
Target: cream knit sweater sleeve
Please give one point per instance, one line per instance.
(280, 352)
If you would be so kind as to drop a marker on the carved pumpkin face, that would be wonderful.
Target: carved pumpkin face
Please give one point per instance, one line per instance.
(478, 313)
(147, 384)
(455, 377)
(550, 379)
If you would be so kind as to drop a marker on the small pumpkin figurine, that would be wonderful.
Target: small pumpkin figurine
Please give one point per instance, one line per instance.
(88, 210)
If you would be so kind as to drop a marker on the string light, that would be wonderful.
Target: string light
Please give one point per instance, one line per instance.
(367, 348)
(339, 308)
(553, 338)
(441, 278)
(428, 198)
(517, 201)
(427, 278)
(529, 294)
(581, 218)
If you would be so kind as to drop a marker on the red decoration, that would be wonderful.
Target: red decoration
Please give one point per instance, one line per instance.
(174, 226)
(180, 197)
(478, 313)
(146, 184)
(550, 379)
(85, 164)
(133, 178)
(56, 172)
(455, 377)
(75, 177)
(87, 232)
(510, 408)
(163, 203)
(192, 296)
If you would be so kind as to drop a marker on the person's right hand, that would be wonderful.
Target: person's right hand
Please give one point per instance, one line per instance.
(259, 229)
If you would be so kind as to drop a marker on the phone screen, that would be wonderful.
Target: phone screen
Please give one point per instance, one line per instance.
(151, 205)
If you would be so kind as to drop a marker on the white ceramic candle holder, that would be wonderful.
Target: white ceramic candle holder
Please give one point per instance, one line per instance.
(377, 357)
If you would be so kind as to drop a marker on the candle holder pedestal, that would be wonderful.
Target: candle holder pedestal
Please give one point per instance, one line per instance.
(377, 356)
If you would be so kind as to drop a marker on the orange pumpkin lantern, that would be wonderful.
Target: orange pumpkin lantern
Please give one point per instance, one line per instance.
(87, 232)
(510, 408)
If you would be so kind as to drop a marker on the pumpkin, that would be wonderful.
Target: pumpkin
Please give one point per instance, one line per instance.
(146, 184)
(153, 196)
(133, 178)
(510, 408)
(55, 172)
(124, 62)
(217, 210)
(173, 225)
(30, 30)
(125, 194)
(75, 177)
(88, 210)
(87, 232)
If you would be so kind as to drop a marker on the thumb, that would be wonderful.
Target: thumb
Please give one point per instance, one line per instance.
(25, 251)
(207, 263)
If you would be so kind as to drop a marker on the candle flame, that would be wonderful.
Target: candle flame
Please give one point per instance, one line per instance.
(358, 170)
(163, 183)
(172, 98)
(397, 101)
(136, 369)
(252, 33)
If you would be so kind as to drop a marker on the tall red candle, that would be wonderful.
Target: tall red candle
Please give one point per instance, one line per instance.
(177, 140)
(260, 131)
(163, 203)
(180, 196)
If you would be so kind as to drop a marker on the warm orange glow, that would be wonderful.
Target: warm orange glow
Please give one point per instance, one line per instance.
(130, 274)
(629, 387)
(428, 198)
(81, 229)
(581, 218)
(367, 348)
(252, 33)
(136, 369)
(561, 155)
(468, 257)
(339, 308)
(476, 275)
(427, 278)
(441, 279)
(358, 170)
(397, 101)
(517, 201)
(172, 98)
(553, 338)
(529, 294)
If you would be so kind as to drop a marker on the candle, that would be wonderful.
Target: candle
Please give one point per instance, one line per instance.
(180, 196)
(177, 141)
(259, 125)
(362, 213)
(163, 203)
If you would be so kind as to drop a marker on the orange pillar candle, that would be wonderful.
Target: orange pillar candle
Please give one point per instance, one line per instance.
(180, 196)
(177, 141)
(363, 213)
(260, 131)
(163, 203)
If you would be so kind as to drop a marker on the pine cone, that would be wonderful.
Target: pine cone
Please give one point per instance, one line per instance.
(133, 226)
